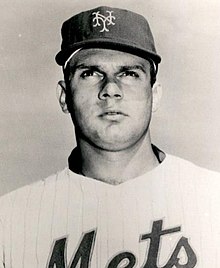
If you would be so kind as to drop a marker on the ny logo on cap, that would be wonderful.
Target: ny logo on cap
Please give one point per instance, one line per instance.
(104, 20)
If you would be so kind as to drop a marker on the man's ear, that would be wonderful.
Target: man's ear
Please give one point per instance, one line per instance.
(61, 95)
(156, 94)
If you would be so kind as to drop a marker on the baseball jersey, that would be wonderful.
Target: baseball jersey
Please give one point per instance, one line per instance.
(168, 217)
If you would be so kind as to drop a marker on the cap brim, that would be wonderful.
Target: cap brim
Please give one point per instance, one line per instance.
(63, 55)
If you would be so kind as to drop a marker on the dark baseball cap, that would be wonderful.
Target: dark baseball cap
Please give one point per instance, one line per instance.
(107, 27)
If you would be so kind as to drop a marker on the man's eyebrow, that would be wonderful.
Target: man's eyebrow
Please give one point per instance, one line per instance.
(84, 66)
(121, 68)
(133, 67)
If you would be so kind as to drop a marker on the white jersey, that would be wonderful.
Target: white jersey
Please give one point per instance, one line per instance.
(168, 217)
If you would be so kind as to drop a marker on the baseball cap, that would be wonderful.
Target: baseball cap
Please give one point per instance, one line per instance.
(107, 27)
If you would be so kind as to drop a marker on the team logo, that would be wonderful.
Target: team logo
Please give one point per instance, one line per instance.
(100, 20)
(82, 255)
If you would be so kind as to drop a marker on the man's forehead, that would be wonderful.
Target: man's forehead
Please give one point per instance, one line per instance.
(106, 56)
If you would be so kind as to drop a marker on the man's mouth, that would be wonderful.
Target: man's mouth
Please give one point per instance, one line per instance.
(113, 115)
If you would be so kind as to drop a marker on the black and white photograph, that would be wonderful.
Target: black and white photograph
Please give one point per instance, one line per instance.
(110, 134)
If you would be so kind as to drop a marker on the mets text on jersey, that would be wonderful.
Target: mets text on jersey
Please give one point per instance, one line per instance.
(83, 254)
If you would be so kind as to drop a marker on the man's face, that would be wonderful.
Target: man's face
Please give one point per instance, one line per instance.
(110, 98)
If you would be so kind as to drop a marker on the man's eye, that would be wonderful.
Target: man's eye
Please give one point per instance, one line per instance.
(130, 74)
(91, 73)
(87, 73)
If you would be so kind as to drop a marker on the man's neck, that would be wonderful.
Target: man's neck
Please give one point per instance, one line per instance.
(116, 167)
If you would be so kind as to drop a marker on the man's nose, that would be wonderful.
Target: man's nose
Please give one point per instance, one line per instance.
(110, 90)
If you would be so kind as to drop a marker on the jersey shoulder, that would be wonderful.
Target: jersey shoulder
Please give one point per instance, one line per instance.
(47, 184)
(193, 174)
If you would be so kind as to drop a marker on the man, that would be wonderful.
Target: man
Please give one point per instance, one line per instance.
(121, 202)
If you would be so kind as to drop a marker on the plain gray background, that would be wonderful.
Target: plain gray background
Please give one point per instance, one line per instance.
(36, 137)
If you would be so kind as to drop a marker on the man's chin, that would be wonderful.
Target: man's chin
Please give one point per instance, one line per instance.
(114, 144)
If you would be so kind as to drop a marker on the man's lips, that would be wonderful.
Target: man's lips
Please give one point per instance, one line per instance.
(113, 114)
